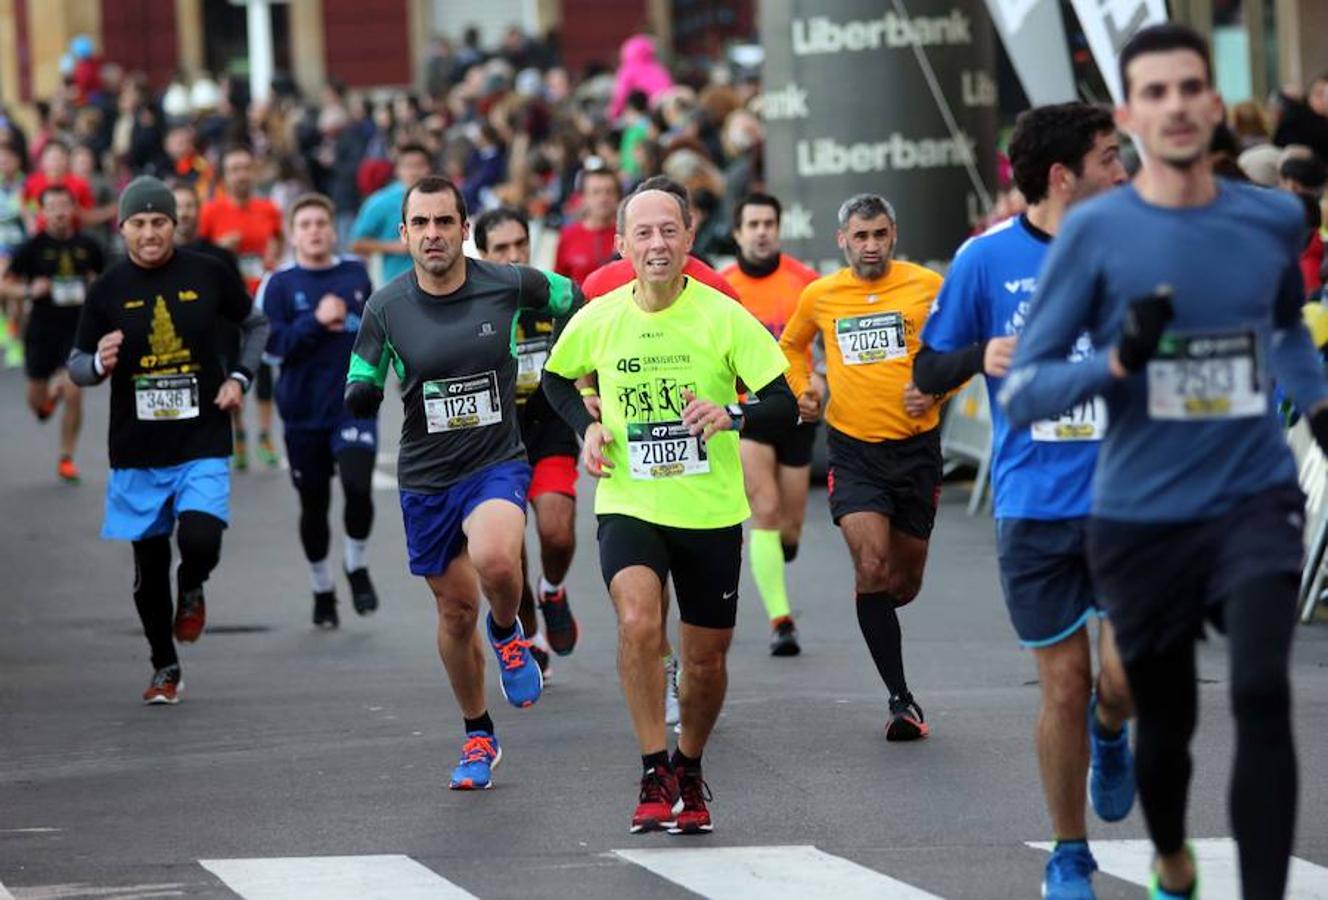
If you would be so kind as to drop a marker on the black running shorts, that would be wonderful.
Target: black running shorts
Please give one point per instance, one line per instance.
(901, 480)
(1161, 581)
(705, 564)
(793, 446)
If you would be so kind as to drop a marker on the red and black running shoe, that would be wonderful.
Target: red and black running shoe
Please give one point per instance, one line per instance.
(659, 795)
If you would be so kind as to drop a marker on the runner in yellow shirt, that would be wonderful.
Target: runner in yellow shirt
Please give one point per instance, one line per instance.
(884, 435)
(667, 351)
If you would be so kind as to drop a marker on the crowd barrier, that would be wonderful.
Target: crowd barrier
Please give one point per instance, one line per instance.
(1313, 470)
(966, 438)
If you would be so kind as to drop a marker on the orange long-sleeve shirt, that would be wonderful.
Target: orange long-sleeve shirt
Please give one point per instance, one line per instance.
(871, 331)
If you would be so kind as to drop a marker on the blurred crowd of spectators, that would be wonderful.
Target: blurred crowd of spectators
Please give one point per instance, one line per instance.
(509, 124)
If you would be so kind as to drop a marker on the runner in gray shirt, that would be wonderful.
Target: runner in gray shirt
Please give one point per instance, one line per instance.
(447, 329)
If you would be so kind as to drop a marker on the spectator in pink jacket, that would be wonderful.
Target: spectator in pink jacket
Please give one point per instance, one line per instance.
(639, 70)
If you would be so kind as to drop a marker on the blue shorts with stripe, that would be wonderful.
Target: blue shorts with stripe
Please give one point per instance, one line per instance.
(433, 521)
(1044, 570)
(144, 503)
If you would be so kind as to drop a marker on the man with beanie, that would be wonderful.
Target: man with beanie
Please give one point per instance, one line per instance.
(150, 324)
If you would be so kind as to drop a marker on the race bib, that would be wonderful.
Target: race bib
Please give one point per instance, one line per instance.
(166, 397)
(871, 339)
(1085, 422)
(664, 450)
(531, 355)
(455, 404)
(68, 291)
(1206, 376)
(251, 266)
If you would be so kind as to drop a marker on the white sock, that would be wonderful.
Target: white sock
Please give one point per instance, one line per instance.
(354, 553)
(547, 588)
(321, 577)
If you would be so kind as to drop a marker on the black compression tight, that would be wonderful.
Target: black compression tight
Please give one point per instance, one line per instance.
(199, 538)
(1260, 617)
(879, 623)
(355, 467)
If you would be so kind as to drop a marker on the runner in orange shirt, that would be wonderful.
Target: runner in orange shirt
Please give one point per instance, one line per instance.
(250, 227)
(885, 448)
(776, 468)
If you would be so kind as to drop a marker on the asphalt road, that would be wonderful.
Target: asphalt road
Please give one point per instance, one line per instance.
(310, 764)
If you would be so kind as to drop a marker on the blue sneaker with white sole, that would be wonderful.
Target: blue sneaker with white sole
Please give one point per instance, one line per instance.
(480, 755)
(1069, 873)
(519, 674)
(1110, 771)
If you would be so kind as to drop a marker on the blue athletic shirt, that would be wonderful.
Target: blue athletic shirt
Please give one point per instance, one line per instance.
(986, 295)
(1198, 431)
(313, 360)
(379, 216)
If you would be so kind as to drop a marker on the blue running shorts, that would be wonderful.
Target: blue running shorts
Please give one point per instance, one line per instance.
(433, 521)
(144, 503)
(1044, 571)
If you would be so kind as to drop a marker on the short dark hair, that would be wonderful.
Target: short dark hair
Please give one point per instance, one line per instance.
(434, 184)
(756, 199)
(1307, 171)
(232, 149)
(304, 201)
(491, 219)
(415, 147)
(657, 183)
(1060, 133)
(602, 171)
(1163, 39)
(54, 189)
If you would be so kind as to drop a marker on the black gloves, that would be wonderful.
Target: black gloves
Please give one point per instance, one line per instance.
(1145, 320)
(363, 399)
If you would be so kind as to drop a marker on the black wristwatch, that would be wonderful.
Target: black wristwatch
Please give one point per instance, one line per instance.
(737, 414)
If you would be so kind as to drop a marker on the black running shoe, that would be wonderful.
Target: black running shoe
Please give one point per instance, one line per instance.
(906, 721)
(362, 594)
(559, 624)
(784, 640)
(541, 657)
(325, 610)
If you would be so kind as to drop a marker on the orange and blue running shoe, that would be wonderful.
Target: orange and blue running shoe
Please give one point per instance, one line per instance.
(480, 755)
(518, 673)
(67, 471)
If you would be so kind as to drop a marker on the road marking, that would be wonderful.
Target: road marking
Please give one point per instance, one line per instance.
(334, 878)
(83, 891)
(4, 894)
(1219, 875)
(771, 873)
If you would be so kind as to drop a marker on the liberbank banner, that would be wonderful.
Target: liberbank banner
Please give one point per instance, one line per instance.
(893, 97)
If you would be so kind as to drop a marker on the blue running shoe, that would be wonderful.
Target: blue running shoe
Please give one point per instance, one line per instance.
(518, 672)
(480, 755)
(1070, 873)
(1110, 771)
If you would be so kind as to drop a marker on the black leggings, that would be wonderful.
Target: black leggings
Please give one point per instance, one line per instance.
(199, 538)
(355, 466)
(1260, 616)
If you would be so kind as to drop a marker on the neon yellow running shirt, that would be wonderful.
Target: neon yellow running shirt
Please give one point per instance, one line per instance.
(645, 360)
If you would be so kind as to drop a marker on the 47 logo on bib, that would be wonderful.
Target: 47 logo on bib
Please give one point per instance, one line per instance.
(870, 339)
(455, 404)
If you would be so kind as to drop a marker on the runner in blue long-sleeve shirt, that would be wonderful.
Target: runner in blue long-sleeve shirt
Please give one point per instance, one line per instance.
(1190, 288)
(315, 307)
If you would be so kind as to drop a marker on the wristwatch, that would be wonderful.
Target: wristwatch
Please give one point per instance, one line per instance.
(736, 413)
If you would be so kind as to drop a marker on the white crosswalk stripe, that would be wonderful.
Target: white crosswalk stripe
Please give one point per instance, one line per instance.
(771, 873)
(4, 894)
(1219, 876)
(334, 878)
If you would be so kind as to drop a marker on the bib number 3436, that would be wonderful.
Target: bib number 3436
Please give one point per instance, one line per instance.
(1206, 376)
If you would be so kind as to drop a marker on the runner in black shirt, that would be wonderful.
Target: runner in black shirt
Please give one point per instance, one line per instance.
(151, 325)
(52, 271)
